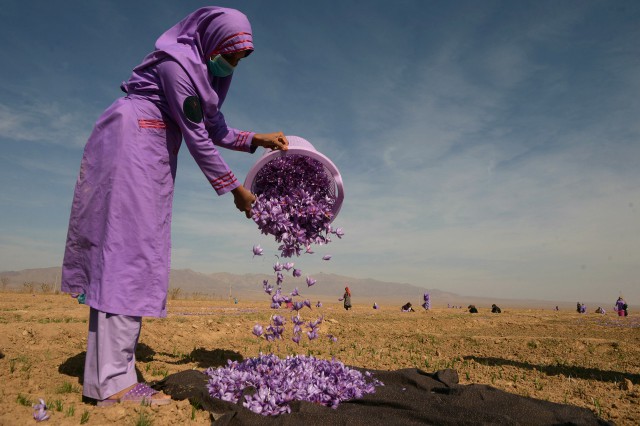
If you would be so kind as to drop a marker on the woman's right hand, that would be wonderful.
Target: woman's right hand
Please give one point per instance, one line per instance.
(243, 199)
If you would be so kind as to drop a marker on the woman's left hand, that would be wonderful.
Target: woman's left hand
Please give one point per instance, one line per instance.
(276, 141)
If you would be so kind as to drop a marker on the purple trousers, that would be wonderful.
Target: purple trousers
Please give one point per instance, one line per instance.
(111, 346)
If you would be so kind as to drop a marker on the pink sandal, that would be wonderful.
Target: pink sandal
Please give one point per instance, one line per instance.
(143, 394)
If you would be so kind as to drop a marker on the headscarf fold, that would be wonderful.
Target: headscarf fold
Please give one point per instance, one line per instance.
(207, 31)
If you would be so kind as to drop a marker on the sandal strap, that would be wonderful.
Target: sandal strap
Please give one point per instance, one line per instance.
(141, 390)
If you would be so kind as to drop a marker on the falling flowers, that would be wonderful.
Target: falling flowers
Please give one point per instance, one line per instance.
(294, 203)
(277, 382)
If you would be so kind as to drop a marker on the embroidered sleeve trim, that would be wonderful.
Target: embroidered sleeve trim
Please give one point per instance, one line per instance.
(223, 181)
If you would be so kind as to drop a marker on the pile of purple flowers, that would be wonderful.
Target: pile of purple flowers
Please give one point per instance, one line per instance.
(294, 203)
(267, 384)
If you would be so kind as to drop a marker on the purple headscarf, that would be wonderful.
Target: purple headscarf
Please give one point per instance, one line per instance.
(207, 31)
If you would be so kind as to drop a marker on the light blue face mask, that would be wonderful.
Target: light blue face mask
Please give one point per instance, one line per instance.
(219, 67)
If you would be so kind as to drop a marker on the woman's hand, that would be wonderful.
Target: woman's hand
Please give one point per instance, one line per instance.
(243, 199)
(276, 141)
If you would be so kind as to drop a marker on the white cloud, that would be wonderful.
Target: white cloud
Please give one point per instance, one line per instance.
(47, 122)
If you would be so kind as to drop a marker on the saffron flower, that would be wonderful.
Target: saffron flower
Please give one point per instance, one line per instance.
(297, 273)
(310, 281)
(277, 320)
(40, 411)
(257, 330)
(287, 266)
(296, 338)
(295, 292)
(257, 250)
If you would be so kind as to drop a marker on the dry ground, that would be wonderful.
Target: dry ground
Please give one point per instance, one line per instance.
(558, 356)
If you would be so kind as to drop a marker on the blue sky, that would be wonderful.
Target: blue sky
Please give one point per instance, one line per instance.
(487, 147)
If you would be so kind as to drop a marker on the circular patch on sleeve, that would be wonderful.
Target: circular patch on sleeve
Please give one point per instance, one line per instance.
(192, 109)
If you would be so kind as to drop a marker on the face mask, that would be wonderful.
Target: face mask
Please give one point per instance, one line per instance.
(219, 67)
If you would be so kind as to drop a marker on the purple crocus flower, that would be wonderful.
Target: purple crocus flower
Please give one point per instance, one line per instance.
(277, 267)
(313, 334)
(257, 250)
(295, 292)
(296, 338)
(297, 306)
(326, 257)
(277, 320)
(257, 330)
(287, 266)
(339, 232)
(40, 411)
(332, 338)
(310, 281)
(307, 303)
(297, 273)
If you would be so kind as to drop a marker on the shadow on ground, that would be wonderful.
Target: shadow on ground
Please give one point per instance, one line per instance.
(556, 370)
(206, 358)
(74, 366)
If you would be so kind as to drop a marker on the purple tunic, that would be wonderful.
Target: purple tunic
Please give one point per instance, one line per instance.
(119, 238)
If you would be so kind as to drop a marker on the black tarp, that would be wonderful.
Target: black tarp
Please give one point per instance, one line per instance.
(409, 397)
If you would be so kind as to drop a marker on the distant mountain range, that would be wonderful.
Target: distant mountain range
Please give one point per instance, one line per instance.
(329, 288)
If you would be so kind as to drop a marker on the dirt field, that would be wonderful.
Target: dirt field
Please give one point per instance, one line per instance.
(588, 360)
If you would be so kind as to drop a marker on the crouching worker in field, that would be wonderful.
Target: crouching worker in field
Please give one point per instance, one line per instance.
(472, 309)
(407, 307)
(495, 309)
(118, 242)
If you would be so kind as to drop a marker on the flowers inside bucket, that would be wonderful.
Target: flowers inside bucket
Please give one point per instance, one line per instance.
(299, 193)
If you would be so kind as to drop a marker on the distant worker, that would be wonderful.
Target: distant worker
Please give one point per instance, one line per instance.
(495, 309)
(472, 309)
(407, 307)
(600, 310)
(347, 298)
(621, 307)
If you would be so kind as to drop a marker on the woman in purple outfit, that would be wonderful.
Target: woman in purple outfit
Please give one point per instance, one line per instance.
(118, 245)
(621, 307)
